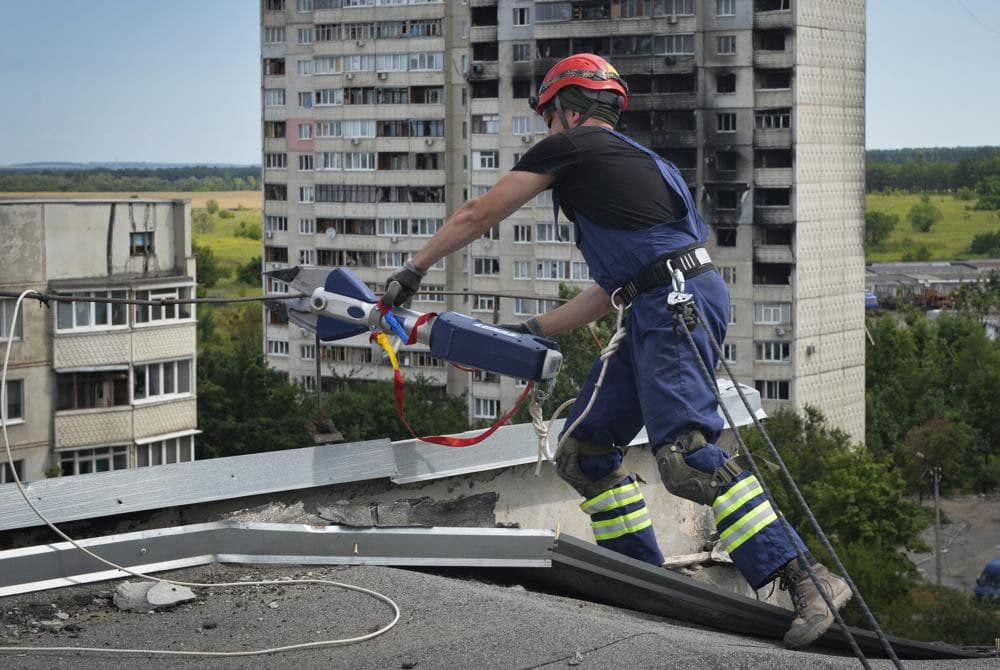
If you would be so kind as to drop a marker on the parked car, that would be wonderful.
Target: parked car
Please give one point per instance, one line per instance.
(988, 584)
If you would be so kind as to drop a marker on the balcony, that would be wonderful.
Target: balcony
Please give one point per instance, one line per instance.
(772, 176)
(776, 19)
(773, 139)
(483, 34)
(773, 59)
(773, 215)
(82, 428)
(773, 253)
(91, 350)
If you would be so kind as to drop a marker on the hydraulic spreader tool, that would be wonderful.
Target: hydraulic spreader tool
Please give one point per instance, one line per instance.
(340, 305)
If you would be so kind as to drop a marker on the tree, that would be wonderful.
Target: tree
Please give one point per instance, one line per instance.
(212, 207)
(986, 244)
(878, 227)
(202, 221)
(249, 272)
(923, 215)
(245, 407)
(209, 269)
(365, 410)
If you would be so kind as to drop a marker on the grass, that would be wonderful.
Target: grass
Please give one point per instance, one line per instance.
(230, 249)
(949, 239)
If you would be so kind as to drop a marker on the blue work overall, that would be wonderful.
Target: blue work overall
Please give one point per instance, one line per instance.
(654, 379)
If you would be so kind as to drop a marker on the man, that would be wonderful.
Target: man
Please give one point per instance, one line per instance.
(635, 221)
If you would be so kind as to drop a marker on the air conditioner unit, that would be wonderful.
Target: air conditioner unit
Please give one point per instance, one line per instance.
(477, 68)
(355, 140)
(779, 331)
(303, 332)
(383, 75)
(394, 239)
(671, 19)
(349, 76)
(429, 141)
(360, 43)
(268, 234)
(526, 139)
(670, 60)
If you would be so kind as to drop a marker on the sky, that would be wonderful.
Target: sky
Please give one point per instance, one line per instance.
(177, 81)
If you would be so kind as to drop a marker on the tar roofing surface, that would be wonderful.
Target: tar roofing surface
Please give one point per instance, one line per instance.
(446, 622)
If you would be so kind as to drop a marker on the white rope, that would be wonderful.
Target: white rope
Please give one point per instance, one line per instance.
(256, 652)
(543, 430)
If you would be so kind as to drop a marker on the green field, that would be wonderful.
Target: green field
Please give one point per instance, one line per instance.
(949, 239)
(231, 249)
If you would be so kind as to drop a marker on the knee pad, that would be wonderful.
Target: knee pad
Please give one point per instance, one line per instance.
(568, 467)
(690, 483)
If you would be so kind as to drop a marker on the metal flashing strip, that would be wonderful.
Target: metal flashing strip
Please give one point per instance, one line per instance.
(561, 563)
(54, 565)
(105, 494)
(617, 580)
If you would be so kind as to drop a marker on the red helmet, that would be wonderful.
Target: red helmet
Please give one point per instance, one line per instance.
(586, 71)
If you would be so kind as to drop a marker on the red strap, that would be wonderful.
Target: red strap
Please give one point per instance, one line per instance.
(452, 441)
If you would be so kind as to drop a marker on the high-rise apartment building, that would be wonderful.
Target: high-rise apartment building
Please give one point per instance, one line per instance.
(97, 386)
(380, 117)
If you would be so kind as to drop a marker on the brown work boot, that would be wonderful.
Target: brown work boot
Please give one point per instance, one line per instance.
(812, 616)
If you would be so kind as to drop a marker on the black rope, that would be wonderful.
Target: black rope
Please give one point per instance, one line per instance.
(785, 526)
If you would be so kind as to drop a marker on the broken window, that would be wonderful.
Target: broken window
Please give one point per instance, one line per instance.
(725, 237)
(141, 243)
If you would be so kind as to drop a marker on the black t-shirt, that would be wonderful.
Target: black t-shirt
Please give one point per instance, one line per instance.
(607, 179)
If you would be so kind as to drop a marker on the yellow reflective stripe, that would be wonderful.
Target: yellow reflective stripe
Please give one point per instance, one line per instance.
(748, 525)
(611, 498)
(735, 544)
(730, 505)
(735, 491)
(622, 525)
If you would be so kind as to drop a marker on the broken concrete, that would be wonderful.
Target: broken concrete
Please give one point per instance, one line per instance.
(151, 596)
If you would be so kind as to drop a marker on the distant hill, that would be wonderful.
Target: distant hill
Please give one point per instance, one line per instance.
(60, 166)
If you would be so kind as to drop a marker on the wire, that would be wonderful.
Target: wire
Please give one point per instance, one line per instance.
(60, 533)
(977, 19)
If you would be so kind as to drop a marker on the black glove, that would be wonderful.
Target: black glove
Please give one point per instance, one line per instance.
(529, 327)
(402, 285)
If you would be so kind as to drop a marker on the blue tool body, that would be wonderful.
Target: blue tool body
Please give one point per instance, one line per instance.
(344, 282)
(462, 339)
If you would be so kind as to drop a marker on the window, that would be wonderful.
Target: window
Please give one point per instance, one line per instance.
(521, 125)
(7, 471)
(524, 307)
(141, 244)
(773, 197)
(307, 226)
(769, 119)
(485, 160)
(431, 62)
(732, 314)
(13, 408)
(487, 408)
(328, 129)
(725, 237)
(770, 352)
(8, 329)
(364, 160)
(485, 124)
(160, 381)
(484, 303)
(329, 96)
(305, 67)
(770, 313)
(305, 163)
(725, 122)
(306, 99)
(522, 269)
(87, 461)
(276, 224)
(580, 271)
(485, 266)
(551, 232)
(304, 5)
(277, 347)
(305, 131)
(274, 97)
(728, 273)
(306, 257)
(307, 194)
(431, 293)
(308, 383)
(725, 45)
(726, 199)
(163, 312)
(274, 34)
(328, 65)
(725, 82)
(86, 315)
(521, 52)
(546, 268)
(673, 7)
(305, 35)
(725, 7)
(673, 45)
(522, 233)
(275, 161)
(276, 286)
(522, 16)
(91, 390)
(772, 390)
(307, 352)
(173, 450)
(274, 5)
(729, 353)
